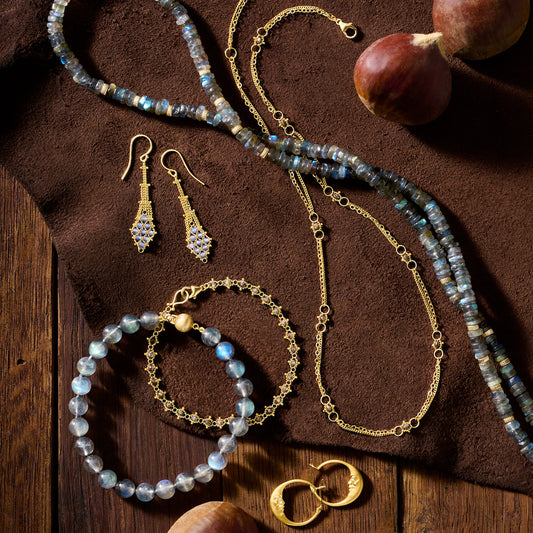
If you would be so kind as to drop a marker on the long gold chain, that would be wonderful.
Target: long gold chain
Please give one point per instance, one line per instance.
(328, 406)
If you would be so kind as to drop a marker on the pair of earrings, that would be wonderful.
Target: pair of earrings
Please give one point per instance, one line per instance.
(143, 229)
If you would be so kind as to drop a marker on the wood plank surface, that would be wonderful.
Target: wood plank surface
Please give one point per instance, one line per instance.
(27, 453)
(44, 488)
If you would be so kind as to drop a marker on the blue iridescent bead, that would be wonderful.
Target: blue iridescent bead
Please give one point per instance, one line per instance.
(112, 334)
(81, 385)
(217, 461)
(235, 368)
(130, 324)
(107, 479)
(98, 349)
(125, 488)
(225, 351)
(245, 407)
(86, 366)
(165, 489)
(145, 492)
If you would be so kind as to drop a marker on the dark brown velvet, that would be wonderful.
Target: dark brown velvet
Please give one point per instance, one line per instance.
(69, 149)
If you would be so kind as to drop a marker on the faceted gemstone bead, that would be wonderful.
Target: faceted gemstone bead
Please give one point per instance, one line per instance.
(149, 320)
(125, 488)
(93, 464)
(112, 334)
(130, 324)
(203, 473)
(243, 387)
(78, 406)
(217, 461)
(184, 482)
(225, 351)
(81, 385)
(78, 426)
(238, 427)
(245, 407)
(98, 349)
(211, 336)
(107, 479)
(165, 489)
(86, 366)
(84, 446)
(227, 444)
(235, 368)
(145, 492)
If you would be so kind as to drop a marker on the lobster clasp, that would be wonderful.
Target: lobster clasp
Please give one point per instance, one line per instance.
(348, 29)
(185, 294)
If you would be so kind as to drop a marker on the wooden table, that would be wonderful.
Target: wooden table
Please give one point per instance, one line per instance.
(43, 487)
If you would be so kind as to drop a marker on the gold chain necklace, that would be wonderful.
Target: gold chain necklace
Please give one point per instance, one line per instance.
(328, 405)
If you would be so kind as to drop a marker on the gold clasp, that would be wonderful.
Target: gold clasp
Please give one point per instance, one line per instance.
(186, 293)
(348, 29)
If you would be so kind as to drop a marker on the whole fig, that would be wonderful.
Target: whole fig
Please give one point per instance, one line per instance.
(478, 29)
(404, 78)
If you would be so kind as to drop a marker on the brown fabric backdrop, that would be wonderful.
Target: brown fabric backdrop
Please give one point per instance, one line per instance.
(69, 149)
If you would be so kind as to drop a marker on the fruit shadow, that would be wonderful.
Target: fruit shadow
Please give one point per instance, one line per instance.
(484, 122)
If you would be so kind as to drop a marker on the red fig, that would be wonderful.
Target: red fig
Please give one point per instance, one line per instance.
(404, 78)
(477, 29)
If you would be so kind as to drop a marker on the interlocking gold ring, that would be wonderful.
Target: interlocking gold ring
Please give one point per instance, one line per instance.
(355, 484)
(277, 503)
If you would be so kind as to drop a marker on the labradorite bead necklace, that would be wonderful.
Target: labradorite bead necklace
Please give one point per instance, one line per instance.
(184, 482)
(329, 161)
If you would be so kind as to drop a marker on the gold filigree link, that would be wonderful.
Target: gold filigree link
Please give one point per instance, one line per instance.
(190, 293)
(329, 407)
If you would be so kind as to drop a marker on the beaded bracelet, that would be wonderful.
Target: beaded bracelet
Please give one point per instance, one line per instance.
(165, 489)
(211, 337)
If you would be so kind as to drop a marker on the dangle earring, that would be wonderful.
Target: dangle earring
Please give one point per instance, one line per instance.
(198, 242)
(143, 229)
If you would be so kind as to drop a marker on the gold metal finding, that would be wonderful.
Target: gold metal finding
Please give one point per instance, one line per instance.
(355, 484)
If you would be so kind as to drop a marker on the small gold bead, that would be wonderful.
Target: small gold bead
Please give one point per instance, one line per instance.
(505, 362)
(236, 129)
(488, 332)
(219, 101)
(472, 328)
(508, 419)
(104, 88)
(183, 322)
(205, 112)
(136, 101)
(264, 153)
(169, 110)
(204, 71)
(446, 280)
(484, 360)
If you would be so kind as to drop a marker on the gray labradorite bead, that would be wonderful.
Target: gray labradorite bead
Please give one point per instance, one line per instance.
(217, 461)
(235, 368)
(86, 366)
(238, 427)
(125, 488)
(130, 324)
(93, 464)
(245, 407)
(227, 444)
(98, 349)
(81, 385)
(78, 426)
(145, 492)
(211, 336)
(107, 479)
(184, 482)
(149, 320)
(84, 446)
(243, 387)
(203, 473)
(78, 406)
(112, 334)
(165, 489)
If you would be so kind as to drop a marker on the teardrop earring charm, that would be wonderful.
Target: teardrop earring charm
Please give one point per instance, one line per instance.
(198, 241)
(143, 228)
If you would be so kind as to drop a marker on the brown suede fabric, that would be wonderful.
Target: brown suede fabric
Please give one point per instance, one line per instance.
(69, 148)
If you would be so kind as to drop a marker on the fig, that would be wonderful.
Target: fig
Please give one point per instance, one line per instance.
(405, 78)
(478, 29)
(215, 517)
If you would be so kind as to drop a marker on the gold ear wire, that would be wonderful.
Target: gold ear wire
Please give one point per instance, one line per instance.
(143, 157)
(173, 172)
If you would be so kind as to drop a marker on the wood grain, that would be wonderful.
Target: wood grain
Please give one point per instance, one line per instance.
(43, 487)
(26, 364)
